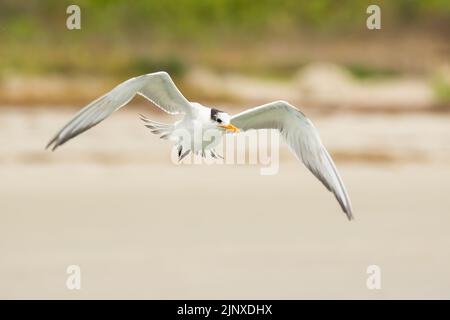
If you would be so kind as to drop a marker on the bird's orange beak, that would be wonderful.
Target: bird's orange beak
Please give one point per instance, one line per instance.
(231, 128)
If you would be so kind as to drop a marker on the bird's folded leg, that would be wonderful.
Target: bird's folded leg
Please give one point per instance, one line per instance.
(181, 154)
(184, 155)
(214, 154)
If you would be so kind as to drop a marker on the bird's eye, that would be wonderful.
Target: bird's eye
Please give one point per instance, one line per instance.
(219, 120)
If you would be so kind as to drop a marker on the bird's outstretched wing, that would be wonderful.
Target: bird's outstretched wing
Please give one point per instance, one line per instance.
(303, 139)
(157, 87)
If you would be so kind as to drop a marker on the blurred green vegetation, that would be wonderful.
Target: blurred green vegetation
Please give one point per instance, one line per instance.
(124, 37)
(442, 90)
(366, 72)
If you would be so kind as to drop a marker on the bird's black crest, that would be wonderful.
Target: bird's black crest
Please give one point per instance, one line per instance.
(214, 113)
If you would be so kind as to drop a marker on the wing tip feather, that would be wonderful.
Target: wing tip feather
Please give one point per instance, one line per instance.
(348, 212)
(52, 144)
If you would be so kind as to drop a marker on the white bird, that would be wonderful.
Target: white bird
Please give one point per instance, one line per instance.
(297, 130)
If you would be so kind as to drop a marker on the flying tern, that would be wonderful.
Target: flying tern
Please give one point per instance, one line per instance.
(296, 129)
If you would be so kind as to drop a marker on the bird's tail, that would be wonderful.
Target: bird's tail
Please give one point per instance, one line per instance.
(164, 130)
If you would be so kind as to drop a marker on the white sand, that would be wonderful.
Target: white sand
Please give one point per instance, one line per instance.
(130, 222)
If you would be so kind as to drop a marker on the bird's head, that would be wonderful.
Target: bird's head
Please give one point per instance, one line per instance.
(222, 120)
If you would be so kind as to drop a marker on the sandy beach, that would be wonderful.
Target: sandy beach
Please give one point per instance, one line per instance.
(112, 202)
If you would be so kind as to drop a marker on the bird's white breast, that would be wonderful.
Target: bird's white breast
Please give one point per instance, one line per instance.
(202, 134)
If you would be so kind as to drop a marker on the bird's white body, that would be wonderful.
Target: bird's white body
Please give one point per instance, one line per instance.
(193, 133)
(201, 128)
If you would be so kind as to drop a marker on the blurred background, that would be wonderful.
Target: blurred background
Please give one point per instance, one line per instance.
(105, 201)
